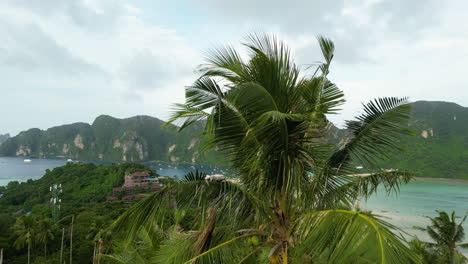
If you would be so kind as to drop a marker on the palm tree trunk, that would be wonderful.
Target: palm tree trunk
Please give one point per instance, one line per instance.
(285, 254)
(1, 255)
(45, 250)
(94, 253)
(203, 242)
(71, 239)
(61, 247)
(274, 259)
(29, 253)
(99, 251)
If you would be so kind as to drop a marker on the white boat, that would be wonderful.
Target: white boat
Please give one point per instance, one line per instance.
(359, 167)
(27, 160)
(69, 160)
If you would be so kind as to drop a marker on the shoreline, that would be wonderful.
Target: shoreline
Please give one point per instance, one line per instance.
(442, 179)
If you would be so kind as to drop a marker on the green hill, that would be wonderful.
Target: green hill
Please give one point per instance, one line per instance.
(139, 138)
(440, 148)
(3, 138)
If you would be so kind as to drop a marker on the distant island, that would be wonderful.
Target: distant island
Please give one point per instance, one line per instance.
(3, 138)
(439, 149)
(139, 138)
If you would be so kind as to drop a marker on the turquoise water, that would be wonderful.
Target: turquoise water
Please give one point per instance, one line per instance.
(419, 199)
(15, 169)
(416, 200)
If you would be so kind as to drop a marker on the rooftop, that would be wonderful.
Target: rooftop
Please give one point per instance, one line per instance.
(141, 174)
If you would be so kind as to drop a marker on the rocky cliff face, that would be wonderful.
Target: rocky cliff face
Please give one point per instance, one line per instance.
(439, 149)
(138, 138)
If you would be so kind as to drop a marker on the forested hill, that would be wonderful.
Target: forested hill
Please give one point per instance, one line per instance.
(3, 138)
(139, 138)
(440, 148)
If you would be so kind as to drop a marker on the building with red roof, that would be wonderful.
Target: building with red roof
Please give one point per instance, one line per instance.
(134, 184)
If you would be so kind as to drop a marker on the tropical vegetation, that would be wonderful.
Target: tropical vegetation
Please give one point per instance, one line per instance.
(442, 131)
(28, 231)
(294, 202)
(295, 198)
(447, 238)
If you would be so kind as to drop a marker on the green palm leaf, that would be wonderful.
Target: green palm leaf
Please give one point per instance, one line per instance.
(374, 134)
(341, 236)
(270, 120)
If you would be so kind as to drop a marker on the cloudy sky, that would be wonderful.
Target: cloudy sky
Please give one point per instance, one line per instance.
(65, 61)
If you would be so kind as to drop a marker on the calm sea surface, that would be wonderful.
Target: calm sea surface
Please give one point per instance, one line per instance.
(418, 199)
(15, 169)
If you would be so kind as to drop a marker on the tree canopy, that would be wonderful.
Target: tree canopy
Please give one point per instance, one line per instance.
(294, 199)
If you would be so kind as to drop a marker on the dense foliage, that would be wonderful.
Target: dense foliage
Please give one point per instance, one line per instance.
(294, 200)
(139, 138)
(447, 238)
(296, 191)
(440, 148)
(26, 213)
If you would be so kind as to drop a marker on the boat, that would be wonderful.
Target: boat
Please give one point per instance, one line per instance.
(27, 160)
(359, 167)
(69, 160)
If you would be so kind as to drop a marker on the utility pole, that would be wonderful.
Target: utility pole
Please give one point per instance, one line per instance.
(61, 247)
(71, 239)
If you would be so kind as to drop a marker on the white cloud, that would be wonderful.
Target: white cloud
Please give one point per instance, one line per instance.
(71, 60)
(86, 58)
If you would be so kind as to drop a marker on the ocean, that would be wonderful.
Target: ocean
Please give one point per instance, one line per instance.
(419, 199)
(415, 202)
(15, 169)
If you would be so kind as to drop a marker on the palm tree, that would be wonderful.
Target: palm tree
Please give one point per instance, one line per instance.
(296, 190)
(142, 250)
(448, 236)
(25, 230)
(45, 233)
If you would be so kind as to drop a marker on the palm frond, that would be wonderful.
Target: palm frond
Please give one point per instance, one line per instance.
(328, 48)
(341, 236)
(374, 134)
(365, 185)
(224, 62)
(230, 199)
(203, 94)
(321, 96)
(184, 115)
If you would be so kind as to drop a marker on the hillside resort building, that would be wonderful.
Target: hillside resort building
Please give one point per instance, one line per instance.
(134, 185)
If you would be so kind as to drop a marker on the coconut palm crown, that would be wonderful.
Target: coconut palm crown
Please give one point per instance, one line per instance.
(447, 236)
(293, 198)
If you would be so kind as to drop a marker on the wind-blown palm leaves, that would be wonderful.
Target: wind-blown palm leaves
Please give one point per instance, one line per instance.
(25, 230)
(45, 233)
(447, 236)
(294, 188)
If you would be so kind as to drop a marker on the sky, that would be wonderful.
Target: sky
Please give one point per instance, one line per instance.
(72, 60)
